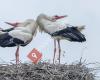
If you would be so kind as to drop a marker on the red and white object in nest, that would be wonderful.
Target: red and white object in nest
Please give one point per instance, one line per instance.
(35, 56)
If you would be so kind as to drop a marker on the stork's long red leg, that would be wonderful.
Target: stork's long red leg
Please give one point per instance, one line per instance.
(17, 55)
(54, 51)
(59, 49)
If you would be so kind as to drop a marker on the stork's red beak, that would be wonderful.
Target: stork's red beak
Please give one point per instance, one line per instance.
(59, 17)
(12, 24)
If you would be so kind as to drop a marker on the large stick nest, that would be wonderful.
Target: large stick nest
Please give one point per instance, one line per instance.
(45, 71)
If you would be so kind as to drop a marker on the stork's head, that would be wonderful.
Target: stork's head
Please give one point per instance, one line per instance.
(21, 24)
(50, 18)
(16, 24)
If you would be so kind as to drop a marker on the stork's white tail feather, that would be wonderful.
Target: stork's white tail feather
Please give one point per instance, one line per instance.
(80, 28)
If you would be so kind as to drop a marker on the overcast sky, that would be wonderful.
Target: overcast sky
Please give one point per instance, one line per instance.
(80, 12)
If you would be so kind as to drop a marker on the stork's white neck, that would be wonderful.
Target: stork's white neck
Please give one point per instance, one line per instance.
(43, 21)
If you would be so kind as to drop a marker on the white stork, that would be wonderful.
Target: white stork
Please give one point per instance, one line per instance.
(20, 35)
(49, 25)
